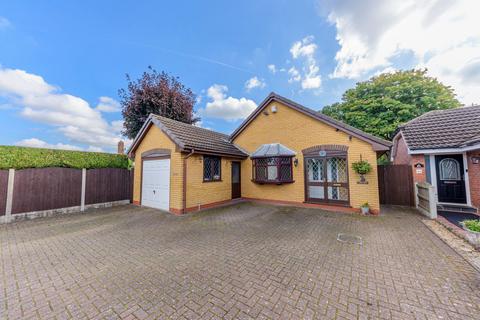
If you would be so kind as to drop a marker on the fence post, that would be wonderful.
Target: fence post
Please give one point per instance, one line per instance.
(433, 202)
(84, 185)
(132, 178)
(8, 207)
(415, 194)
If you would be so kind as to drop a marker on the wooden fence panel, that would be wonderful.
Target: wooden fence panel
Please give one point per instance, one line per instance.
(46, 189)
(106, 185)
(396, 185)
(3, 190)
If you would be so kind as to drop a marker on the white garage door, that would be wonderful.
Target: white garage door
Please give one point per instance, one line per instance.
(156, 184)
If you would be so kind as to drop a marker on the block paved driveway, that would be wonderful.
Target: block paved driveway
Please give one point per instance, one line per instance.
(245, 261)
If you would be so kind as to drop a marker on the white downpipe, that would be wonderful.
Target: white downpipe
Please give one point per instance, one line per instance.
(466, 178)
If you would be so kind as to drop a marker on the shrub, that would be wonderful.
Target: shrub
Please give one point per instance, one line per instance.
(362, 167)
(473, 225)
(12, 157)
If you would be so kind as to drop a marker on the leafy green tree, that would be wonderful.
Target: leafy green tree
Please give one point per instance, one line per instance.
(378, 106)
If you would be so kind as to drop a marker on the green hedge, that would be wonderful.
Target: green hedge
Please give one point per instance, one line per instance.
(21, 158)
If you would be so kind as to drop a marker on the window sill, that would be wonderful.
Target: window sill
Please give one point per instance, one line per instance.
(337, 203)
(207, 181)
(273, 182)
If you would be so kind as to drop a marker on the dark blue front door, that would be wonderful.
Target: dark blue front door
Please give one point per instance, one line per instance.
(450, 178)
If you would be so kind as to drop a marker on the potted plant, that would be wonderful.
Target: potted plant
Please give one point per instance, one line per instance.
(472, 228)
(362, 167)
(365, 208)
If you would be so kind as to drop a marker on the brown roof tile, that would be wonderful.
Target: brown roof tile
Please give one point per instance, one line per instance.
(452, 128)
(193, 137)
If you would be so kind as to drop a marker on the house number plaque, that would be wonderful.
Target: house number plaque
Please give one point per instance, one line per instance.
(418, 167)
(322, 153)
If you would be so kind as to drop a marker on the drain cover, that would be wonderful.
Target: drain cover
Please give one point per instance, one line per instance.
(348, 238)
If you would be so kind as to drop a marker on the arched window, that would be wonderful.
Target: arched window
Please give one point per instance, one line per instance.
(449, 169)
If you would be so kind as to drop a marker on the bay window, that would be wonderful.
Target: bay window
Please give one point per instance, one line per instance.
(276, 170)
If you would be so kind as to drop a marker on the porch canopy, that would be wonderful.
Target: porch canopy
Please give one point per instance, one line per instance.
(272, 150)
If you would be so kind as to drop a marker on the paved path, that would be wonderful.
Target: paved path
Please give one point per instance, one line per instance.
(241, 262)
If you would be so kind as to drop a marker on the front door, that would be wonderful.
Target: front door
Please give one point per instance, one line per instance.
(450, 178)
(236, 185)
(326, 179)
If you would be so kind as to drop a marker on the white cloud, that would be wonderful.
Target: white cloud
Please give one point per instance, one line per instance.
(459, 68)
(4, 23)
(117, 126)
(389, 69)
(441, 35)
(294, 75)
(224, 107)
(43, 102)
(311, 79)
(14, 82)
(272, 68)
(201, 124)
(37, 143)
(253, 83)
(107, 104)
(305, 49)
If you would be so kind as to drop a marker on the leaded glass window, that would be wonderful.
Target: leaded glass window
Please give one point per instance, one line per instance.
(211, 168)
(337, 169)
(272, 170)
(315, 170)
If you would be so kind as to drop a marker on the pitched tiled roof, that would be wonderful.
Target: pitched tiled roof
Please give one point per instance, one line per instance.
(190, 137)
(439, 129)
(378, 143)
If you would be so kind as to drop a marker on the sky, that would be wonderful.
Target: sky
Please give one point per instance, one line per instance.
(63, 62)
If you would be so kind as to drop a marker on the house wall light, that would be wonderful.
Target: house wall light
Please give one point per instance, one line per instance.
(295, 162)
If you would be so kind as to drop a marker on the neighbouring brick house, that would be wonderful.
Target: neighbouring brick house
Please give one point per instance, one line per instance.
(443, 148)
(283, 152)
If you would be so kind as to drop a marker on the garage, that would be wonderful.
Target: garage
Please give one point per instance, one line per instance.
(156, 184)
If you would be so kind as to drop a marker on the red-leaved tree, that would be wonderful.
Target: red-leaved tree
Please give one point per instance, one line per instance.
(158, 93)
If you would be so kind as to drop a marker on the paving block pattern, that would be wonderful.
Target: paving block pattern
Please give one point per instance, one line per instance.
(246, 261)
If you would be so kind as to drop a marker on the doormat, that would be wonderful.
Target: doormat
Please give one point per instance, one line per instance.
(457, 217)
(348, 238)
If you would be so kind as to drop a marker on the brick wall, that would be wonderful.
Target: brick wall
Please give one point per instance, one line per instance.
(401, 155)
(419, 176)
(200, 193)
(297, 132)
(474, 178)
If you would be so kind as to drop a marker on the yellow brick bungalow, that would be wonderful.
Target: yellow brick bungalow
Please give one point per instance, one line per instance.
(282, 153)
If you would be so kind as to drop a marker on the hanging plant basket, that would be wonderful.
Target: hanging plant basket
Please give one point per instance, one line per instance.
(362, 167)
